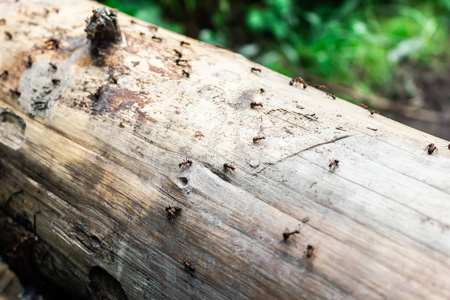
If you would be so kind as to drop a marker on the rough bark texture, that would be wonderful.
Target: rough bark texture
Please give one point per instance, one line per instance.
(92, 150)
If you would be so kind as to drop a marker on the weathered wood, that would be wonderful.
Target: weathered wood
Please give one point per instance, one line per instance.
(99, 160)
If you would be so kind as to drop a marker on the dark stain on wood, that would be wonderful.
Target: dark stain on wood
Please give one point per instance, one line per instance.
(104, 286)
(12, 129)
(87, 175)
(102, 27)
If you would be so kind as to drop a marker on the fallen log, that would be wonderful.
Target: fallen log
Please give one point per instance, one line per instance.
(156, 166)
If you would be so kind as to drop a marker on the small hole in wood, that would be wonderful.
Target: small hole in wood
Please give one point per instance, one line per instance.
(95, 241)
(183, 181)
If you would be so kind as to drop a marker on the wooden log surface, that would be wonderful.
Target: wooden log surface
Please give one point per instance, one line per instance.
(97, 161)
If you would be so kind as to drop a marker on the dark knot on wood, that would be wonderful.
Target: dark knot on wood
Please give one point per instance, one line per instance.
(102, 27)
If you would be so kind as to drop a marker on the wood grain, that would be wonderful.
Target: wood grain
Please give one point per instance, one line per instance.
(101, 170)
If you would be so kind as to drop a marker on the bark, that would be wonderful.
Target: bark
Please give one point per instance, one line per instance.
(90, 156)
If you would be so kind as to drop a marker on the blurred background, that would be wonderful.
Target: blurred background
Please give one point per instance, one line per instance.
(392, 55)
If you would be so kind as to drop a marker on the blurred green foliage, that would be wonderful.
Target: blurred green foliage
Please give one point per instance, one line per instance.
(350, 42)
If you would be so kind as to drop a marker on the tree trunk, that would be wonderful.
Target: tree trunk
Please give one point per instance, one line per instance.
(92, 152)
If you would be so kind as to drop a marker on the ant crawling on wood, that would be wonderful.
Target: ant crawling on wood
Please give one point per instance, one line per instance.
(8, 35)
(298, 80)
(172, 211)
(333, 162)
(157, 39)
(112, 79)
(152, 27)
(287, 234)
(257, 138)
(98, 93)
(331, 95)
(178, 53)
(228, 166)
(183, 43)
(185, 73)
(29, 62)
(254, 70)
(431, 147)
(371, 111)
(310, 250)
(56, 81)
(178, 61)
(54, 67)
(188, 267)
(15, 91)
(254, 104)
(184, 163)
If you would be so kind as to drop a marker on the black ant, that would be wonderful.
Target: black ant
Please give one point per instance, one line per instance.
(448, 146)
(172, 211)
(185, 73)
(254, 70)
(332, 96)
(262, 91)
(47, 11)
(257, 138)
(310, 250)
(152, 27)
(98, 93)
(156, 38)
(255, 104)
(182, 43)
(132, 21)
(178, 53)
(54, 67)
(287, 234)
(141, 34)
(334, 163)
(15, 91)
(113, 79)
(188, 267)
(29, 62)
(228, 166)
(56, 81)
(56, 10)
(9, 35)
(431, 147)
(299, 80)
(4, 73)
(178, 61)
(184, 163)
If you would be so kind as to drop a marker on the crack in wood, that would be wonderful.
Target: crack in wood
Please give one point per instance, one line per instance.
(311, 147)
